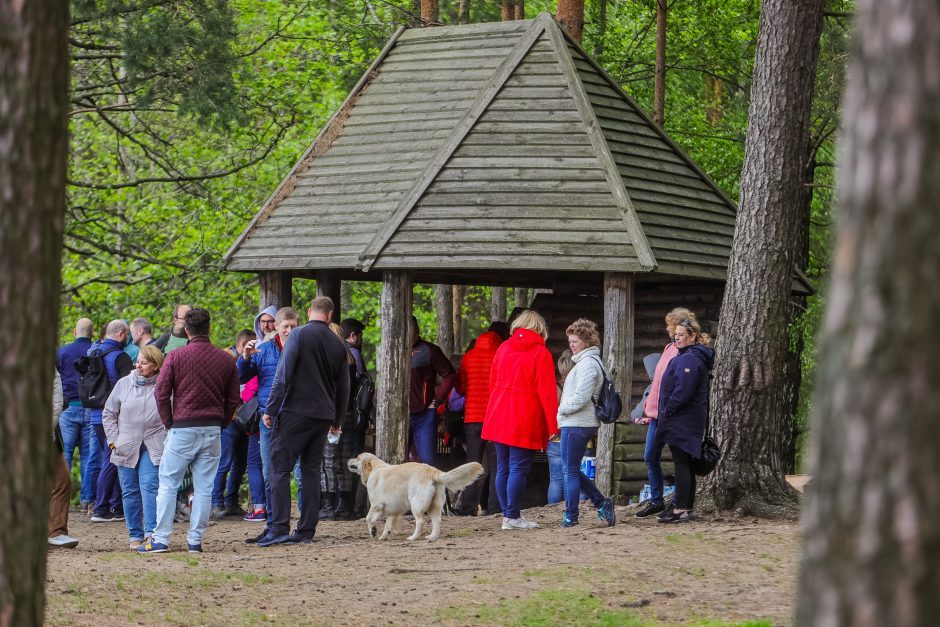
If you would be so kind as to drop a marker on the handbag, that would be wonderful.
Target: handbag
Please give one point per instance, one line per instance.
(711, 454)
(248, 418)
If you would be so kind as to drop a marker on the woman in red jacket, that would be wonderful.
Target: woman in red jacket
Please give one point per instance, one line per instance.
(520, 416)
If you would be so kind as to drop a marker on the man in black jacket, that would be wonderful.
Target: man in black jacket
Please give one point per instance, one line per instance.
(308, 400)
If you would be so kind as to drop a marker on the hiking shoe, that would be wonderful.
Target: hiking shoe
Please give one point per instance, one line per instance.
(650, 509)
(567, 522)
(102, 517)
(235, 510)
(153, 547)
(676, 517)
(64, 540)
(606, 512)
(259, 515)
(270, 539)
(217, 512)
(519, 523)
(195, 548)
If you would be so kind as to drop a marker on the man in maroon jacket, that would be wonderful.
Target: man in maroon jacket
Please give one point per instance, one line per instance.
(197, 395)
(428, 362)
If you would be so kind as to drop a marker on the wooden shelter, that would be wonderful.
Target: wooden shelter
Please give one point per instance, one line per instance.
(499, 154)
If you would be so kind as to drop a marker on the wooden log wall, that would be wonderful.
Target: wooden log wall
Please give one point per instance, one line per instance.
(652, 303)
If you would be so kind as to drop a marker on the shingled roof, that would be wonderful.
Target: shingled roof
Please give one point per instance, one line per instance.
(491, 146)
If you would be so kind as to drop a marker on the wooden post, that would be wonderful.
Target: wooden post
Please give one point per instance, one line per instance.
(460, 340)
(329, 285)
(618, 358)
(522, 297)
(275, 288)
(394, 364)
(498, 304)
(444, 306)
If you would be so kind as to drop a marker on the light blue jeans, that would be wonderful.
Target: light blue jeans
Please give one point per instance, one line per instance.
(556, 475)
(198, 449)
(653, 456)
(139, 492)
(77, 432)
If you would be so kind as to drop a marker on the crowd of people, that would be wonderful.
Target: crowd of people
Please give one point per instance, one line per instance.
(167, 428)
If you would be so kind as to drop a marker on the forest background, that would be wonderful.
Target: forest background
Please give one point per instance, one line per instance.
(186, 115)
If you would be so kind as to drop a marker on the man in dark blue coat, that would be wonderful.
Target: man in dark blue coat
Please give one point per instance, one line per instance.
(76, 427)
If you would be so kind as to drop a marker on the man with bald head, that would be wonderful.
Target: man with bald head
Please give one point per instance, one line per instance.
(76, 429)
(177, 336)
(108, 505)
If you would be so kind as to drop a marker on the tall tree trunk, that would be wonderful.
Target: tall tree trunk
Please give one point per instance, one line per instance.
(506, 11)
(521, 297)
(872, 541)
(34, 66)
(460, 334)
(659, 85)
(601, 28)
(570, 16)
(750, 409)
(519, 9)
(498, 304)
(430, 13)
(444, 305)
(714, 95)
(463, 12)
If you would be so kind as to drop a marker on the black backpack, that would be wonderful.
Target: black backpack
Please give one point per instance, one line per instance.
(94, 384)
(608, 405)
(362, 401)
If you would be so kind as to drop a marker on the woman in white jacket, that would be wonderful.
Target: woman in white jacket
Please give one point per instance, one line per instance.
(136, 435)
(579, 423)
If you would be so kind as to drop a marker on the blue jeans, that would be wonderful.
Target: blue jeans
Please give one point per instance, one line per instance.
(231, 467)
(139, 488)
(264, 445)
(76, 432)
(556, 476)
(653, 457)
(512, 470)
(574, 442)
(197, 449)
(255, 472)
(422, 427)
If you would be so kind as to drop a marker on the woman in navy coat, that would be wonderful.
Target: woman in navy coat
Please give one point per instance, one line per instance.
(683, 412)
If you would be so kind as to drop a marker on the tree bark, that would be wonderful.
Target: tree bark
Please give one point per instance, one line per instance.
(521, 297)
(430, 12)
(34, 67)
(618, 358)
(444, 305)
(394, 367)
(506, 11)
(275, 289)
(749, 405)
(714, 96)
(872, 542)
(463, 12)
(570, 16)
(498, 304)
(519, 8)
(659, 84)
(460, 334)
(601, 28)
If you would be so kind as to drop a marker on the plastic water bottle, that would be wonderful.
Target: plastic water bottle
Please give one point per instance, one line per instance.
(333, 437)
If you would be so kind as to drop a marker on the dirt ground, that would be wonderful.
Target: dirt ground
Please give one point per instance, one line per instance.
(707, 572)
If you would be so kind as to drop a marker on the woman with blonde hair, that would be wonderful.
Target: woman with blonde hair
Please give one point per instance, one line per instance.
(578, 420)
(652, 454)
(520, 415)
(136, 435)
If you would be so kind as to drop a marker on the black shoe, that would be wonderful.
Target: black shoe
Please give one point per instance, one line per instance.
(672, 516)
(255, 539)
(100, 517)
(297, 538)
(270, 540)
(345, 506)
(666, 511)
(650, 509)
(327, 506)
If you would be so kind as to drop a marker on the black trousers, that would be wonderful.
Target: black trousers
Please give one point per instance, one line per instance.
(293, 437)
(685, 479)
(470, 497)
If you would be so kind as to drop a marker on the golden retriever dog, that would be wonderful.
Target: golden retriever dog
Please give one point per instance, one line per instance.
(395, 489)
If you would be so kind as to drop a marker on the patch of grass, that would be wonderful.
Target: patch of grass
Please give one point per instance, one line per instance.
(545, 608)
(189, 560)
(461, 533)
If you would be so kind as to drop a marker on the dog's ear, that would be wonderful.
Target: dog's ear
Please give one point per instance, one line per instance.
(366, 467)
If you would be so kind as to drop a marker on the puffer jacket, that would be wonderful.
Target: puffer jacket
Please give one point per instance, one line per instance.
(130, 418)
(576, 408)
(523, 395)
(474, 375)
(683, 400)
(262, 365)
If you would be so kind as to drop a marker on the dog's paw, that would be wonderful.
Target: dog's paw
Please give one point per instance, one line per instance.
(432, 538)
(413, 537)
(372, 531)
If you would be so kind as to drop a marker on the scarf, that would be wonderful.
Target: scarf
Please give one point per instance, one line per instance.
(142, 381)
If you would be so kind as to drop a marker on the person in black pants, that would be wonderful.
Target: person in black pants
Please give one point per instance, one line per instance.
(683, 412)
(307, 402)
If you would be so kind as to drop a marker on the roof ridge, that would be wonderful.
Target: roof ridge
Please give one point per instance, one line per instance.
(631, 221)
(443, 154)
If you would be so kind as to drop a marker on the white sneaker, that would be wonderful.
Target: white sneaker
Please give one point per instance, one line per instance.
(519, 523)
(64, 541)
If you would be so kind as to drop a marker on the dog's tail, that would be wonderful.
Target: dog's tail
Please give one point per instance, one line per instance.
(462, 476)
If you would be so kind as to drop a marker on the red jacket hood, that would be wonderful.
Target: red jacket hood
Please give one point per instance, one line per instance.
(526, 340)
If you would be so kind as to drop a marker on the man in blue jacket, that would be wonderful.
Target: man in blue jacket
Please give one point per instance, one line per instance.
(76, 427)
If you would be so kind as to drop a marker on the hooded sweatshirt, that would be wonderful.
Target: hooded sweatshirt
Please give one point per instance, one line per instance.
(683, 399)
(271, 311)
(576, 408)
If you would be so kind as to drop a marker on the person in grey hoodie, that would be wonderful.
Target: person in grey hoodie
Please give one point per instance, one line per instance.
(578, 421)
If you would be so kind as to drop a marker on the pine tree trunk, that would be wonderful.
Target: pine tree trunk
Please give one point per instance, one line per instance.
(498, 304)
(519, 9)
(506, 11)
(33, 144)
(601, 28)
(570, 16)
(463, 12)
(460, 339)
(659, 85)
(444, 306)
(430, 13)
(521, 297)
(872, 538)
(749, 405)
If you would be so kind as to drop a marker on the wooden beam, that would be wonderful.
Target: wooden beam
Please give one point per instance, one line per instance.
(275, 289)
(394, 367)
(618, 358)
(328, 284)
